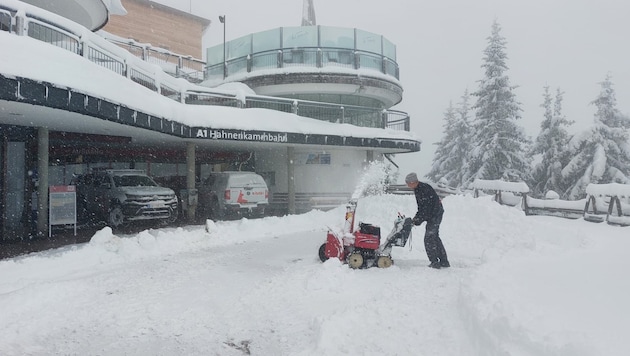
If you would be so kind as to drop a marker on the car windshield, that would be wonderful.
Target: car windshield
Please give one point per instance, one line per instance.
(133, 181)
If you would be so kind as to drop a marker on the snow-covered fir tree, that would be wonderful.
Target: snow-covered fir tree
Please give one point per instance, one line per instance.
(601, 154)
(551, 144)
(499, 145)
(451, 152)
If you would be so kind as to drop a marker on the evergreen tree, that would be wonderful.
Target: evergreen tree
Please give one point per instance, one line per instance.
(602, 152)
(451, 153)
(499, 145)
(551, 144)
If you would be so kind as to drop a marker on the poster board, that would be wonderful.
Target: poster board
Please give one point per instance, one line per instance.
(62, 206)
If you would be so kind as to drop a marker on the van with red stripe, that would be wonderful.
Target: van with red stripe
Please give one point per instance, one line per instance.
(232, 195)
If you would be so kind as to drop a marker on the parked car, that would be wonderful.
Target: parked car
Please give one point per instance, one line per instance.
(231, 194)
(123, 195)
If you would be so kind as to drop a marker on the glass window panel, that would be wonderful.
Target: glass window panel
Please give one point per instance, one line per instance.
(163, 169)
(295, 37)
(239, 47)
(367, 41)
(266, 41)
(214, 55)
(389, 49)
(371, 61)
(5, 22)
(336, 37)
(141, 165)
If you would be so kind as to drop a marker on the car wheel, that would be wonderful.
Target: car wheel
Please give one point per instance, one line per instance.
(173, 217)
(116, 216)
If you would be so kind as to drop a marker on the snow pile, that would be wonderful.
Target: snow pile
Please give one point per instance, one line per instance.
(610, 189)
(516, 187)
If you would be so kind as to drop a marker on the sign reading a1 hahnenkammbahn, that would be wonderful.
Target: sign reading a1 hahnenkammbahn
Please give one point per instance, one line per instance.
(62, 207)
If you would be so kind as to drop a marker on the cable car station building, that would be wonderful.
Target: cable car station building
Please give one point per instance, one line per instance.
(85, 86)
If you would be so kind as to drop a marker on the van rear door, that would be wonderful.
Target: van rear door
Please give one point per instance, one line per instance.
(247, 190)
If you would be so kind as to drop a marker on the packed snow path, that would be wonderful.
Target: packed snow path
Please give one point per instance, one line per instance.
(518, 286)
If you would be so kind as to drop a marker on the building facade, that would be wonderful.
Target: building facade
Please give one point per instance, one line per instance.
(160, 26)
(94, 105)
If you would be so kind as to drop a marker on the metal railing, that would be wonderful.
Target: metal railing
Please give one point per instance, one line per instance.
(73, 37)
(106, 60)
(55, 36)
(178, 65)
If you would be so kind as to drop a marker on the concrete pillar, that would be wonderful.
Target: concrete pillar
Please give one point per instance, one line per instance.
(42, 189)
(369, 156)
(291, 179)
(190, 178)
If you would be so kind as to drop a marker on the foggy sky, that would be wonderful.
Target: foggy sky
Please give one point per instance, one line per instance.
(571, 44)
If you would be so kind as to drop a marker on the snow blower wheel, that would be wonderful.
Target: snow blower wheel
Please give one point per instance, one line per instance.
(384, 262)
(322, 253)
(355, 260)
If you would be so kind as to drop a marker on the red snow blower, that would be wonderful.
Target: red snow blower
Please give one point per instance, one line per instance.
(362, 248)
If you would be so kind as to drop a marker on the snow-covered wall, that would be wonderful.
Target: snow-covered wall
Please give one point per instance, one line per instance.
(315, 170)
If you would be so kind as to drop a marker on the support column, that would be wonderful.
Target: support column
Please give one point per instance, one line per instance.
(42, 189)
(369, 156)
(190, 180)
(291, 179)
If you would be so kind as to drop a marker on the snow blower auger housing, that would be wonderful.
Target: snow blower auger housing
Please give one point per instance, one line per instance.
(362, 248)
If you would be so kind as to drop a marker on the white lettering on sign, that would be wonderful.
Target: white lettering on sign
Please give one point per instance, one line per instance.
(243, 136)
(202, 133)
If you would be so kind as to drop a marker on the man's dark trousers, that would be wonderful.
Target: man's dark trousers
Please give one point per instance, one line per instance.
(432, 242)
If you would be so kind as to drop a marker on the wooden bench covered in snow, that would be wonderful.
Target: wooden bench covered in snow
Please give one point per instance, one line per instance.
(505, 193)
(552, 205)
(608, 202)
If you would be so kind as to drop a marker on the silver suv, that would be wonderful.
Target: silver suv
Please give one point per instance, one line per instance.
(123, 195)
(232, 194)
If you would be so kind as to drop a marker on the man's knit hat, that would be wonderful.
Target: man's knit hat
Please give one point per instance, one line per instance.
(411, 178)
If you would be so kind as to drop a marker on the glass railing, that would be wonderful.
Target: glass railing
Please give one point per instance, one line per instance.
(120, 61)
(311, 46)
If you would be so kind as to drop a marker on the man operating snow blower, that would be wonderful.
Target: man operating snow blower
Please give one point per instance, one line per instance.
(430, 210)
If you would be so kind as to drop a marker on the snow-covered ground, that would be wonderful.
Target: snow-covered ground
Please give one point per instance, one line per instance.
(517, 286)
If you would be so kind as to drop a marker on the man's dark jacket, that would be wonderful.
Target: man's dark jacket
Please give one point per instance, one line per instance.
(429, 204)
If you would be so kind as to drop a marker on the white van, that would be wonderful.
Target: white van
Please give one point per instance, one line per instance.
(232, 195)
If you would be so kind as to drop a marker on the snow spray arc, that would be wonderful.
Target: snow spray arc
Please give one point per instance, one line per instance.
(241, 135)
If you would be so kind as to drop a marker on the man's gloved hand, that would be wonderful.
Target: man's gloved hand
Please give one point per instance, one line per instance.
(416, 220)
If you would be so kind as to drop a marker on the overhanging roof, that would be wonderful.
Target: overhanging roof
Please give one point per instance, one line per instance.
(92, 14)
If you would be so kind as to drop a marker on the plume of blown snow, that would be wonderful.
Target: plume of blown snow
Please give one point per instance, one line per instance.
(374, 181)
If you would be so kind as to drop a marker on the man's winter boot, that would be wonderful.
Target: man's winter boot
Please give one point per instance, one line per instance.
(435, 265)
(445, 264)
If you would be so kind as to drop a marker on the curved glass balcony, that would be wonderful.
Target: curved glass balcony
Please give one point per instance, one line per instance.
(305, 46)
